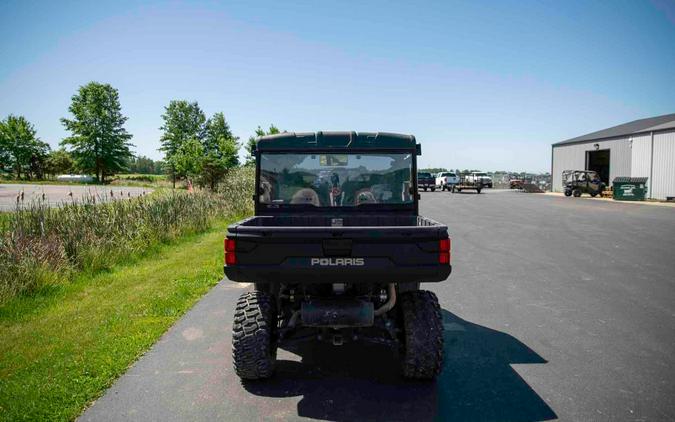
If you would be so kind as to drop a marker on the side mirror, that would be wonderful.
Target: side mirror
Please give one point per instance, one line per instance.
(418, 149)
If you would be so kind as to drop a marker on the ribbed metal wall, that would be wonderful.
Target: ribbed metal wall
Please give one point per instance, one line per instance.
(573, 157)
(641, 156)
(663, 173)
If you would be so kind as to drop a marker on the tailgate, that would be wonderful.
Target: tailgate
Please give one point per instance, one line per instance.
(337, 254)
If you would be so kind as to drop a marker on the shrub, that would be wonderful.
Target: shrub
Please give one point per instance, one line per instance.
(40, 245)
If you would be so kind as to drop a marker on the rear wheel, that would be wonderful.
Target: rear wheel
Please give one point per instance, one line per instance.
(433, 189)
(423, 335)
(478, 190)
(425, 189)
(576, 193)
(594, 194)
(254, 350)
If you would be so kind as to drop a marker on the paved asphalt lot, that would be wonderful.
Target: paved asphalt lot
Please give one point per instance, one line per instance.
(57, 194)
(556, 308)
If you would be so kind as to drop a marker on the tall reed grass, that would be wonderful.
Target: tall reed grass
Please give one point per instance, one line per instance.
(41, 246)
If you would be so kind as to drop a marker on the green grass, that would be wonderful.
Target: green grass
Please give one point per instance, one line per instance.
(63, 346)
(150, 177)
(144, 180)
(4, 220)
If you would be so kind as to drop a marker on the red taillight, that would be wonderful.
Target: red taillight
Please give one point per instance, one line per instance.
(230, 256)
(444, 251)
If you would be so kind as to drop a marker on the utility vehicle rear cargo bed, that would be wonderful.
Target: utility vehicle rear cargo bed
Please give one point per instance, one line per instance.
(330, 249)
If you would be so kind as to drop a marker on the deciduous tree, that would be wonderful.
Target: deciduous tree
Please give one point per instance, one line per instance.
(59, 162)
(20, 149)
(144, 165)
(183, 121)
(250, 145)
(99, 142)
(188, 158)
(221, 149)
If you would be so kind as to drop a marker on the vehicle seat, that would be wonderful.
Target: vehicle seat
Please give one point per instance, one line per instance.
(365, 196)
(306, 196)
(266, 194)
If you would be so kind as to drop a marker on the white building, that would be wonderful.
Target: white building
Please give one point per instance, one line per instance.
(642, 148)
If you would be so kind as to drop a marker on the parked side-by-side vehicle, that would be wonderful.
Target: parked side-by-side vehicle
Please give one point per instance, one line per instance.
(337, 251)
(578, 182)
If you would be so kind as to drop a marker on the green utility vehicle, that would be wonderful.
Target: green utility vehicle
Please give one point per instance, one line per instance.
(337, 251)
(577, 182)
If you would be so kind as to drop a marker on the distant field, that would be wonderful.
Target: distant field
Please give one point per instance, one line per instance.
(143, 180)
(139, 176)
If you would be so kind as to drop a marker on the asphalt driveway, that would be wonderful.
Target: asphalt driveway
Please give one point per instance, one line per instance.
(556, 308)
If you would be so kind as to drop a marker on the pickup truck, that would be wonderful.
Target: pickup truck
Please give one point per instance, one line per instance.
(479, 178)
(446, 180)
(426, 181)
(336, 252)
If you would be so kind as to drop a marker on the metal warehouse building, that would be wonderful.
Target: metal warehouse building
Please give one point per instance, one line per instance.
(642, 148)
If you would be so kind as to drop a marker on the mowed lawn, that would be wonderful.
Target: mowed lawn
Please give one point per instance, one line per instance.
(61, 349)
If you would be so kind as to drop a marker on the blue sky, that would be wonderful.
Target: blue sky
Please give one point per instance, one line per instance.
(485, 85)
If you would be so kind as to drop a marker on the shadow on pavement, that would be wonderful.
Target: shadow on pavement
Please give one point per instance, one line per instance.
(362, 381)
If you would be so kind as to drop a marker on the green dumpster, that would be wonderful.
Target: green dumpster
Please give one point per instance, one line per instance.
(629, 188)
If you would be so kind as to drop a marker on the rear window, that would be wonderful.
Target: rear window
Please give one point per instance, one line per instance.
(423, 175)
(335, 180)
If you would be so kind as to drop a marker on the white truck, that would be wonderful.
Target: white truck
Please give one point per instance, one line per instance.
(477, 177)
(445, 180)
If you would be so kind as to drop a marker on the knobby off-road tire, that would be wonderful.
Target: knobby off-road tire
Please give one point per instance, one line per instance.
(254, 350)
(423, 335)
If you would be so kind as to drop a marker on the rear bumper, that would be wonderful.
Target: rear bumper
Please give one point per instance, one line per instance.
(266, 274)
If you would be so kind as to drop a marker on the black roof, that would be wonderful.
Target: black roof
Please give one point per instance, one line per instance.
(666, 121)
(335, 140)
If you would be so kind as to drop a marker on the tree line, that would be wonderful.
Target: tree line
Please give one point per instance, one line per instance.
(196, 148)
